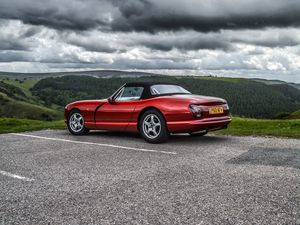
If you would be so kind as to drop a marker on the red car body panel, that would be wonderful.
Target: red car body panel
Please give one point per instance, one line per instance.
(124, 115)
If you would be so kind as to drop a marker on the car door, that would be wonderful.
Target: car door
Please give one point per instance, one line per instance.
(117, 114)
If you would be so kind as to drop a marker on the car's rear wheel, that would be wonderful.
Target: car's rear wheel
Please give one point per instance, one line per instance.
(75, 123)
(153, 128)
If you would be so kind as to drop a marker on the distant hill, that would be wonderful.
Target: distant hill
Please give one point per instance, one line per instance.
(247, 98)
(110, 74)
(274, 82)
(93, 73)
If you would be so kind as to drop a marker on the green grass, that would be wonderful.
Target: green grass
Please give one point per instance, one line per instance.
(238, 127)
(255, 127)
(9, 125)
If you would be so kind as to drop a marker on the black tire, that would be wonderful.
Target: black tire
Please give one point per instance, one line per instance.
(161, 133)
(199, 134)
(82, 130)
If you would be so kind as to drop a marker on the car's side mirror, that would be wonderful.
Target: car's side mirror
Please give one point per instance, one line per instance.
(110, 100)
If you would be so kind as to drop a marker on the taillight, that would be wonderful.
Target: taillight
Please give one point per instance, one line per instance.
(196, 110)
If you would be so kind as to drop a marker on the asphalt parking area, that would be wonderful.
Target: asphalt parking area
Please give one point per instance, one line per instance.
(51, 177)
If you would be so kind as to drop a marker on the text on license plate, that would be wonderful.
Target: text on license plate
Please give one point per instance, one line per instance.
(216, 110)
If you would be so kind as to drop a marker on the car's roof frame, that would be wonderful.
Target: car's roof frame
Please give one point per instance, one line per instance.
(146, 85)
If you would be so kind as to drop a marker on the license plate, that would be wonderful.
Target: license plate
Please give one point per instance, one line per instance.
(216, 110)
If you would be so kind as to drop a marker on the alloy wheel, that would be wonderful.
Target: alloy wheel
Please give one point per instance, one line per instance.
(151, 126)
(76, 122)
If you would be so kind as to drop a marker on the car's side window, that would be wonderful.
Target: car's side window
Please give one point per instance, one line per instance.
(130, 93)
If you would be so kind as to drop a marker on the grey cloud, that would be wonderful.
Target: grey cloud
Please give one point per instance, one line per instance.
(224, 40)
(187, 44)
(256, 51)
(13, 56)
(32, 31)
(8, 44)
(65, 14)
(72, 66)
(154, 15)
(207, 16)
(289, 41)
(130, 8)
(269, 38)
(92, 45)
(14, 44)
(123, 63)
(163, 41)
(14, 36)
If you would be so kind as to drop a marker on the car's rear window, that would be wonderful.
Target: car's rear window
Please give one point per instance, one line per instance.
(160, 89)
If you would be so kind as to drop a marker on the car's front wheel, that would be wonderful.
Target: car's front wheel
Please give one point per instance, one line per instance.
(153, 128)
(75, 123)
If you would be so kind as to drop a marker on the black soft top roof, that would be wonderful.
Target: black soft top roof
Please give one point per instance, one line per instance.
(146, 85)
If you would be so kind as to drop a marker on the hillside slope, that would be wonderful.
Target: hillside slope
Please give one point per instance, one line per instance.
(295, 115)
(274, 82)
(247, 98)
(14, 103)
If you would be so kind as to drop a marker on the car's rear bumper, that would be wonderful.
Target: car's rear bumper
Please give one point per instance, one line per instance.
(191, 126)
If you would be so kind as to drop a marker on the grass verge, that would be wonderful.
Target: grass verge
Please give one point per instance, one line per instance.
(9, 125)
(238, 127)
(255, 127)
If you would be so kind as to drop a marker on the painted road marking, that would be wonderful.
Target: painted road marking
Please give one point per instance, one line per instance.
(97, 144)
(4, 173)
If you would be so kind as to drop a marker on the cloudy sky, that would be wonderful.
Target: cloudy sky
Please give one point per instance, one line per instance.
(248, 38)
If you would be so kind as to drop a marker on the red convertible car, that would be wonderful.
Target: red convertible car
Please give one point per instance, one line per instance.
(153, 109)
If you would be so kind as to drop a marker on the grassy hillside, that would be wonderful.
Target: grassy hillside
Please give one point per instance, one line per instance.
(288, 116)
(295, 115)
(239, 126)
(247, 98)
(20, 109)
(15, 103)
(12, 91)
(24, 85)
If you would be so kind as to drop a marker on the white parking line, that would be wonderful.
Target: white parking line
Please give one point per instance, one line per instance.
(97, 144)
(4, 173)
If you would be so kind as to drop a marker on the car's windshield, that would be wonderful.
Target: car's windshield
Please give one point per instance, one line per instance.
(160, 89)
(129, 93)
